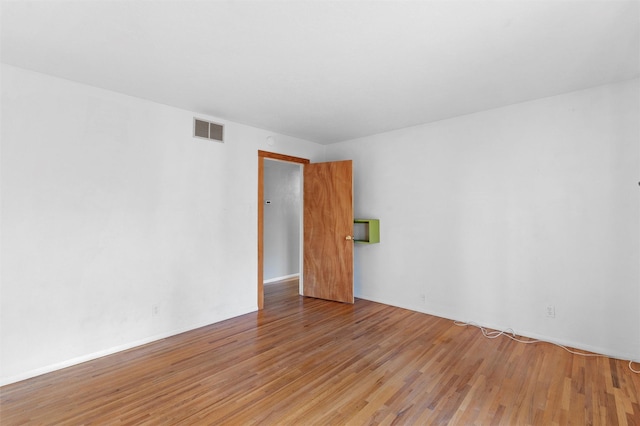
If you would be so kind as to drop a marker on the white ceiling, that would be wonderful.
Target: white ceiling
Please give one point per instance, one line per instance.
(328, 71)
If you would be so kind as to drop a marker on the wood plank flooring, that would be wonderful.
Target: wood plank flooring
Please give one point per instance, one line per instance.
(305, 361)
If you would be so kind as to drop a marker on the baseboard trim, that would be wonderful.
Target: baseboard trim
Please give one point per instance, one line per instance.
(524, 333)
(283, 278)
(99, 354)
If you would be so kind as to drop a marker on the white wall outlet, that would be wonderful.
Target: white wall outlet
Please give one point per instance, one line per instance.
(154, 310)
(550, 311)
(423, 298)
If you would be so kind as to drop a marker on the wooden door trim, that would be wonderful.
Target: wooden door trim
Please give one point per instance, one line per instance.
(282, 157)
(261, 156)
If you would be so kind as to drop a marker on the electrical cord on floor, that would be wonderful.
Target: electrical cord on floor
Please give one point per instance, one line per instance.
(512, 335)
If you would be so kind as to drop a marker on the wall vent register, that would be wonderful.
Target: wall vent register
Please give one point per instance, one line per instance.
(208, 130)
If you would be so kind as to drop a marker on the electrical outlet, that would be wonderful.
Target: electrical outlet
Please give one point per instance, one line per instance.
(550, 311)
(423, 298)
(154, 310)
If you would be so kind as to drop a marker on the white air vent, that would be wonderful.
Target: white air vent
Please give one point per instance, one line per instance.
(207, 130)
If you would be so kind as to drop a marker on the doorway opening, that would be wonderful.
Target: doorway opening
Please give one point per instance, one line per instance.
(278, 165)
(282, 230)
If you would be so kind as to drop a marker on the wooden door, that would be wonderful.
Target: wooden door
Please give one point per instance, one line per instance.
(328, 231)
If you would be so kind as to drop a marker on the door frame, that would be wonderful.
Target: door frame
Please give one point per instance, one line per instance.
(261, 156)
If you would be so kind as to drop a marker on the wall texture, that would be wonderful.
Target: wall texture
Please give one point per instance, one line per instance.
(111, 211)
(493, 216)
(282, 219)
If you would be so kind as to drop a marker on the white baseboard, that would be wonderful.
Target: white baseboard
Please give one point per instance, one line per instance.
(99, 354)
(286, 277)
(524, 333)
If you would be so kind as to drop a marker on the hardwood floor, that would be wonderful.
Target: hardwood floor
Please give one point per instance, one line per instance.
(307, 361)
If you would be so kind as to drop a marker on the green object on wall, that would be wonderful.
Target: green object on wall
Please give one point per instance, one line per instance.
(372, 231)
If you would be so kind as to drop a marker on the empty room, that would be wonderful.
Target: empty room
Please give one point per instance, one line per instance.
(320, 212)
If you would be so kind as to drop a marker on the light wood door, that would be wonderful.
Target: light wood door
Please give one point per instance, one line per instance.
(328, 231)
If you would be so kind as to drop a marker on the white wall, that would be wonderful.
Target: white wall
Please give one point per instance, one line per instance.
(282, 190)
(110, 207)
(494, 215)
